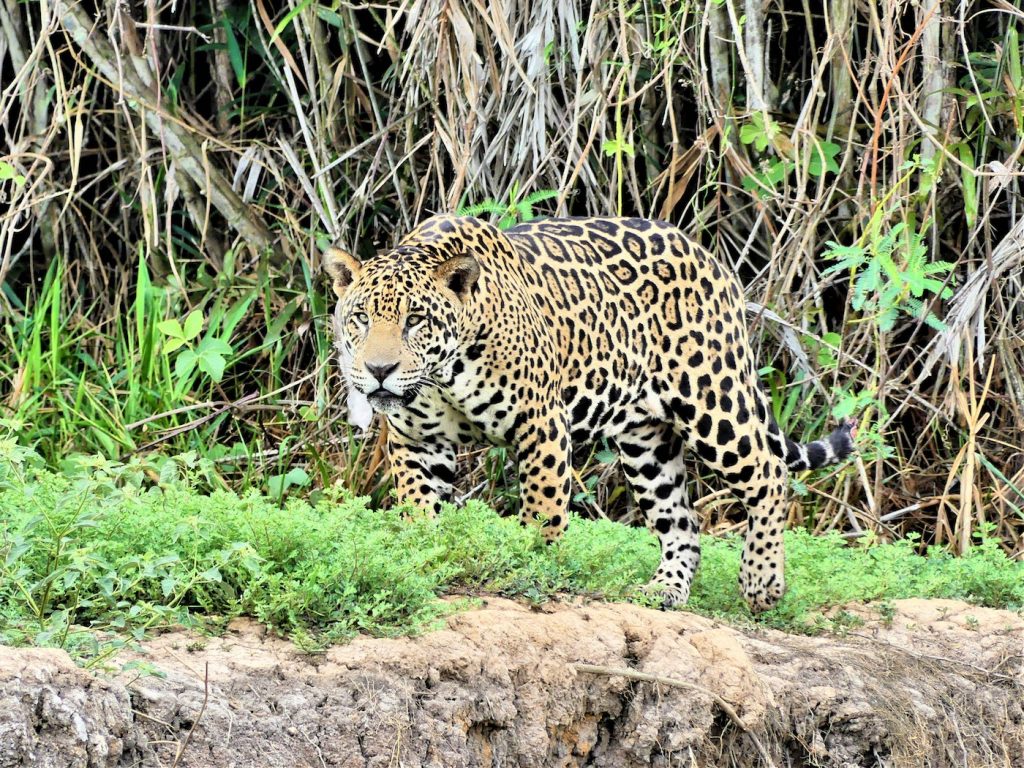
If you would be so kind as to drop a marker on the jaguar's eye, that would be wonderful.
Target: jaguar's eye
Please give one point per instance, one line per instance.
(361, 318)
(413, 320)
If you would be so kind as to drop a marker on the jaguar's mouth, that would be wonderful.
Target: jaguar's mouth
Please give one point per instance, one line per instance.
(386, 401)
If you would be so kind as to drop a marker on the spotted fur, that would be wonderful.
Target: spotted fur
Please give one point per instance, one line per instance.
(564, 331)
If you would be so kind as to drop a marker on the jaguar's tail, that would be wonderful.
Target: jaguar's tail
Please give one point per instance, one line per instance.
(829, 450)
(820, 453)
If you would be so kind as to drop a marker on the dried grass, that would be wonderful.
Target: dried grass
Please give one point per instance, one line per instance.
(352, 122)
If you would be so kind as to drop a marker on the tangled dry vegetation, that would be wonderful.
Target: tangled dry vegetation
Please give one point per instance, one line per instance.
(858, 163)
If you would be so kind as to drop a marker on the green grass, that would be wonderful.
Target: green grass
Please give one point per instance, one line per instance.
(71, 384)
(105, 547)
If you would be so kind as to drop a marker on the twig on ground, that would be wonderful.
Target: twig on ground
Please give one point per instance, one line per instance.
(725, 706)
(202, 710)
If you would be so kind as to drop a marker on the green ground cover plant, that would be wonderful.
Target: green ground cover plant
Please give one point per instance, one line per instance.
(101, 552)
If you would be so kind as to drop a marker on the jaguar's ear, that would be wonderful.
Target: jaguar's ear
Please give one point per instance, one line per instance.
(342, 267)
(459, 274)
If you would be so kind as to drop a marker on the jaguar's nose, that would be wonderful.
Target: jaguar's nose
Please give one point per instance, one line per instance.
(381, 372)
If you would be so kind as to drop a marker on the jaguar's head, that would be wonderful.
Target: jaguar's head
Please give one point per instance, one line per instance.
(398, 318)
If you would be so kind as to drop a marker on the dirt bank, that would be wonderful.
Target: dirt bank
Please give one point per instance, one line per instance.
(937, 683)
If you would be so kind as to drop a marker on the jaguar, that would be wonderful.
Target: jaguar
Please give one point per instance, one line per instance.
(564, 331)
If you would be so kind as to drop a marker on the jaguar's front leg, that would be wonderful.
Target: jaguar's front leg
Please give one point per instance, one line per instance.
(423, 470)
(542, 447)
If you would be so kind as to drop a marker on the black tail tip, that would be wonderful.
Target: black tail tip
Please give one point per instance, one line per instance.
(843, 438)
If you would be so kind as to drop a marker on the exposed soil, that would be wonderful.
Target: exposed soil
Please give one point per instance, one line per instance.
(938, 683)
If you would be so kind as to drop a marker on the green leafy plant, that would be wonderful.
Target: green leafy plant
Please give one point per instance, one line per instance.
(9, 173)
(102, 545)
(825, 571)
(514, 211)
(208, 354)
(891, 274)
(123, 547)
(619, 147)
(761, 132)
(825, 349)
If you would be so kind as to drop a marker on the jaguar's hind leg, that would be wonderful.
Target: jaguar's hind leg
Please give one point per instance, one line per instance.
(729, 440)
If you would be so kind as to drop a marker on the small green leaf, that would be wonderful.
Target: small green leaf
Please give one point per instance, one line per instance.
(823, 158)
(171, 328)
(217, 346)
(210, 357)
(167, 585)
(331, 17)
(758, 132)
(9, 173)
(172, 344)
(844, 408)
(487, 206)
(970, 183)
(234, 53)
(212, 364)
(193, 325)
(826, 357)
(887, 320)
(185, 363)
(297, 477)
(278, 484)
(613, 147)
(776, 172)
(275, 485)
(750, 133)
(540, 196)
(934, 322)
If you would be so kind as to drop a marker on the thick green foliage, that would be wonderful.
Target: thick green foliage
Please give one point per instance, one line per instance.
(117, 547)
(101, 549)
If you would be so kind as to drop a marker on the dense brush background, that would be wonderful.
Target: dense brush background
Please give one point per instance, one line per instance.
(170, 171)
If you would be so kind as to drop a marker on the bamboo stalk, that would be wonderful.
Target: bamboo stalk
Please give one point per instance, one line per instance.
(840, 21)
(753, 39)
(223, 77)
(934, 78)
(718, 56)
